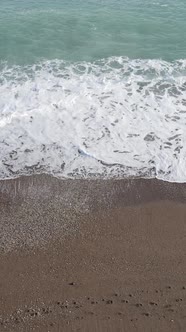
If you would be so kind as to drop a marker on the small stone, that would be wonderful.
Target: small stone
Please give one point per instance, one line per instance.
(146, 314)
(152, 303)
(124, 301)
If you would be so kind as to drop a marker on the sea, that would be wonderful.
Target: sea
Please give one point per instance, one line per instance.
(93, 89)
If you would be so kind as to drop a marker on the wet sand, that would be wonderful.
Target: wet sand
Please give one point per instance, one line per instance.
(78, 255)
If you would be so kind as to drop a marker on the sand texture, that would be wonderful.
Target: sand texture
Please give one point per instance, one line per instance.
(79, 255)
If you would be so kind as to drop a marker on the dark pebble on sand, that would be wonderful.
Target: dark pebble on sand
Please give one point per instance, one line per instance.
(183, 287)
(138, 305)
(71, 283)
(152, 303)
(124, 301)
(146, 314)
(179, 300)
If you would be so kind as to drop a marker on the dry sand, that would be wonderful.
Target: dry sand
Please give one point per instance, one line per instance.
(78, 255)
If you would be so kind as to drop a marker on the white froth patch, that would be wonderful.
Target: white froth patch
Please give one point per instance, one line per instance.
(112, 118)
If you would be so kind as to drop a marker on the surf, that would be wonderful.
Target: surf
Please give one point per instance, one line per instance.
(115, 117)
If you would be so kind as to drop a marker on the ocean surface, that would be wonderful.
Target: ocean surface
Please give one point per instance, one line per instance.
(93, 88)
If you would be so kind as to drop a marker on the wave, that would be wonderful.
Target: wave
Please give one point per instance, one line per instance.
(115, 117)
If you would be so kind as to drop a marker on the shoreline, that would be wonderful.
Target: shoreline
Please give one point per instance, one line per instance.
(14, 188)
(92, 255)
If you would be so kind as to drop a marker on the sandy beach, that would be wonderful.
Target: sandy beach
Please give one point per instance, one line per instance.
(99, 255)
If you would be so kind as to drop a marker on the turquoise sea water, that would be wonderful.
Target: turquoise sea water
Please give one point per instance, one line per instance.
(93, 88)
(31, 30)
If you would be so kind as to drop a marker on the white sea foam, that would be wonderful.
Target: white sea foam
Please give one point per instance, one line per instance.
(111, 118)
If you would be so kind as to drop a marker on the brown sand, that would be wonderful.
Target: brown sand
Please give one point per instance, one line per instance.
(92, 255)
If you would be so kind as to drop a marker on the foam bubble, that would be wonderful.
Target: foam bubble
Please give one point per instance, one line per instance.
(114, 118)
